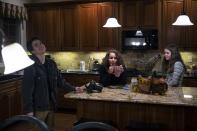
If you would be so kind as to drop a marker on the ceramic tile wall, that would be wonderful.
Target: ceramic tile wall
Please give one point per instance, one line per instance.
(132, 59)
(71, 60)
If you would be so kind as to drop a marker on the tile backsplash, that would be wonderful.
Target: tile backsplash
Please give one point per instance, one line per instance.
(71, 60)
(132, 59)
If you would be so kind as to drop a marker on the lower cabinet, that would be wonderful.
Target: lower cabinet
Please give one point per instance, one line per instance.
(75, 80)
(189, 82)
(10, 99)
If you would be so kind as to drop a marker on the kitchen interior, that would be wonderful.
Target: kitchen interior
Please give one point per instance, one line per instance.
(76, 40)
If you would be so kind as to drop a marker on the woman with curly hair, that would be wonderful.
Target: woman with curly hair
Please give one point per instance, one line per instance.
(113, 70)
(173, 66)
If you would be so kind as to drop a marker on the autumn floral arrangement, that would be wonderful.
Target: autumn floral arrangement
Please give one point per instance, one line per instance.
(150, 85)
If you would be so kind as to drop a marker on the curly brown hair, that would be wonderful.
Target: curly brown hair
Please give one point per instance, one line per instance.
(168, 65)
(118, 56)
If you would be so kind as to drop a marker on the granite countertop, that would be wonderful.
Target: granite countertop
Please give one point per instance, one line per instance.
(130, 74)
(79, 72)
(174, 96)
(9, 78)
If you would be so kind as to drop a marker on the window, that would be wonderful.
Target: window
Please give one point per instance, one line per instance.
(11, 27)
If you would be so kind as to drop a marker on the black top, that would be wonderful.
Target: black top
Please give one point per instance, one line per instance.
(107, 79)
(40, 84)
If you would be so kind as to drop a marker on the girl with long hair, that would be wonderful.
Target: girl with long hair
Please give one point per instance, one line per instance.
(173, 66)
(113, 70)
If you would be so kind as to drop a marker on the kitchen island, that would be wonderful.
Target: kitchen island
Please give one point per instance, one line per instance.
(173, 111)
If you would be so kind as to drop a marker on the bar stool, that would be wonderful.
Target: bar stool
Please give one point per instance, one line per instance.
(17, 123)
(93, 126)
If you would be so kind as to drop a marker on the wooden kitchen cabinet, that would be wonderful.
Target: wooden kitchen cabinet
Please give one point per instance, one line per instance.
(189, 82)
(69, 39)
(108, 37)
(35, 23)
(74, 27)
(55, 26)
(88, 26)
(52, 28)
(44, 23)
(10, 99)
(183, 36)
(75, 80)
(192, 30)
(92, 34)
(139, 13)
(79, 79)
(173, 34)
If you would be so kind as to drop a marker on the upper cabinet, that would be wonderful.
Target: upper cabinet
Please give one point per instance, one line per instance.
(172, 34)
(69, 39)
(92, 34)
(139, 13)
(52, 28)
(55, 26)
(44, 23)
(35, 23)
(182, 36)
(108, 37)
(192, 30)
(74, 27)
(88, 26)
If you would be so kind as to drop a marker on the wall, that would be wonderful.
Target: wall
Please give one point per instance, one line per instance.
(132, 59)
(71, 60)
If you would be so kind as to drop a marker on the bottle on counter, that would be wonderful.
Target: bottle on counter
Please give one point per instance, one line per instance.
(133, 84)
(82, 65)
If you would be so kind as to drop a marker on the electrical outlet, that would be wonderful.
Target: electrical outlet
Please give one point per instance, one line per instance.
(189, 58)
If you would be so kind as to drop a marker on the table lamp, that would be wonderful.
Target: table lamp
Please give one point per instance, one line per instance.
(14, 56)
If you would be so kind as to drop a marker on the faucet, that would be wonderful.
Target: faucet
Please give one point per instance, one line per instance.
(89, 62)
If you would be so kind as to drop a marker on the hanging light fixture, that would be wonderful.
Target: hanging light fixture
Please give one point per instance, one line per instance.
(138, 32)
(112, 21)
(183, 19)
(14, 56)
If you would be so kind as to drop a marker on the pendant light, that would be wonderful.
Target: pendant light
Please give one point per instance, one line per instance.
(14, 56)
(138, 32)
(183, 19)
(112, 21)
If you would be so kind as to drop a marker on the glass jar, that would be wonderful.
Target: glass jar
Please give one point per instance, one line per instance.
(134, 84)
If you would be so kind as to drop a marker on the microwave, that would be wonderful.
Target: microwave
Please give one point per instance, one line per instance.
(140, 40)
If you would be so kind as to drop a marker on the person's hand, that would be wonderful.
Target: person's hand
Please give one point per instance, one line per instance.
(111, 69)
(118, 70)
(121, 69)
(30, 114)
(79, 89)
